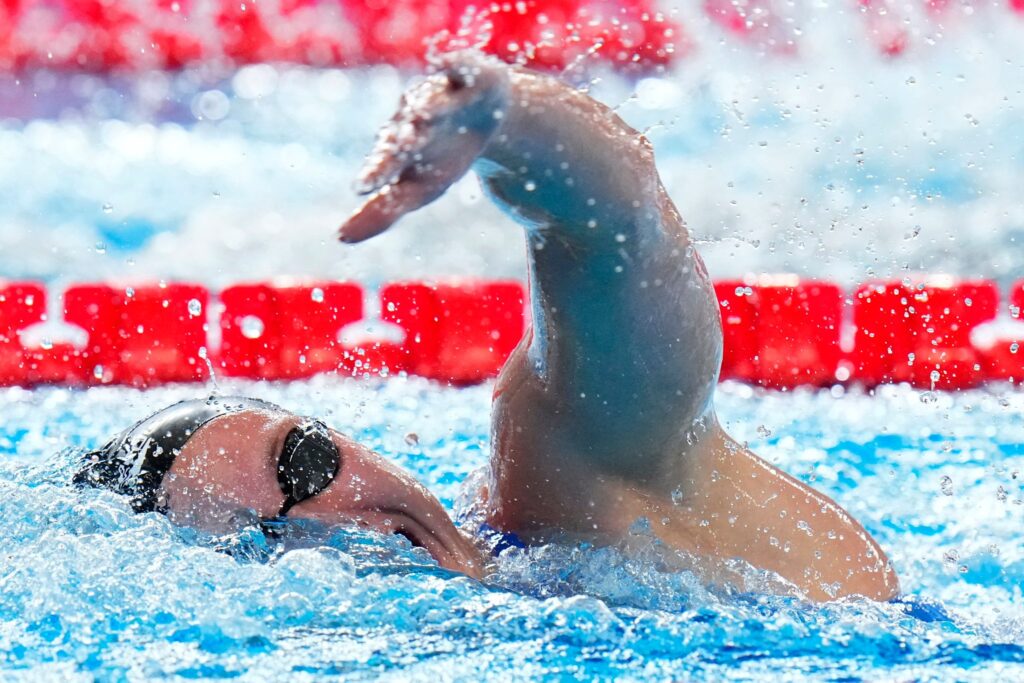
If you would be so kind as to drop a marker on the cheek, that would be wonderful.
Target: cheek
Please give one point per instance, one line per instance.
(242, 484)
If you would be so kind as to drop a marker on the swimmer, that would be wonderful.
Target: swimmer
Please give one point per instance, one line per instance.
(604, 413)
(203, 462)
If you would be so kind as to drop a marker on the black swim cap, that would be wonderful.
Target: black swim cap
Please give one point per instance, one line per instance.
(134, 462)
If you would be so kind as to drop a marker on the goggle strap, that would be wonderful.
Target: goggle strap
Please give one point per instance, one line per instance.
(287, 505)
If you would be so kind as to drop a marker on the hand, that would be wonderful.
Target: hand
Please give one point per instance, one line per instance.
(441, 127)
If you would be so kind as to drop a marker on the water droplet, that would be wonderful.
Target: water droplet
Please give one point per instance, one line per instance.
(212, 105)
(317, 295)
(46, 344)
(677, 497)
(101, 248)
(252, 327)
(108, 208)
(946, 484)
(194, 307)
(529, 186)
(97, 372)
(412, 439)
(804, 527)
(763, 431)
(1014, 347)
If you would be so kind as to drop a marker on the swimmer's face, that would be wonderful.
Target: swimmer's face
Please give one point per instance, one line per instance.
(231, 464)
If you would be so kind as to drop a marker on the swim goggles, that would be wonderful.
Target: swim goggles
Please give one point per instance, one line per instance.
(134, 463)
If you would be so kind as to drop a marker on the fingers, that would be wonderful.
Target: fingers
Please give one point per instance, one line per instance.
(380, 211)
(415, 185)
(382, 167)
(441, 127)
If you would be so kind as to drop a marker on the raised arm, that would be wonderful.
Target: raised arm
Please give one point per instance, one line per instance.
(604, 413)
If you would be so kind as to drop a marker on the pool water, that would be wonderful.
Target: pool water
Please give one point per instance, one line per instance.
(834, 162)
(89, 590)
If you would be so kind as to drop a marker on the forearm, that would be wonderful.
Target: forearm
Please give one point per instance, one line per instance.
(563, 158)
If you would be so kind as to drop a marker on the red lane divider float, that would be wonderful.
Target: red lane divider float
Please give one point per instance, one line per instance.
(22, 304)
(104, 35)
(931, 346)
(456, 333)
(799, 332)
(780, 331)
(140, 334)
(132, 34)
(739, 305)
(1002, 354)
(285, 330)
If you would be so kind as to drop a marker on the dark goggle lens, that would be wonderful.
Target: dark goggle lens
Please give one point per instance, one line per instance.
(309, 462)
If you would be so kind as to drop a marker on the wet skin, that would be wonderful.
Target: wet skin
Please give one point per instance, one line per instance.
(604, 413)
(230, 464)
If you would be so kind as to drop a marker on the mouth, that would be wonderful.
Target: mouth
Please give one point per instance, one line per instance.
(403, 524)
(423, 535)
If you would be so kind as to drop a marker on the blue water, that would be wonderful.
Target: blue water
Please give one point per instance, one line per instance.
(90, 590)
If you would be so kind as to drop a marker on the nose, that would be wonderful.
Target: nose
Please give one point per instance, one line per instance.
(373, 494)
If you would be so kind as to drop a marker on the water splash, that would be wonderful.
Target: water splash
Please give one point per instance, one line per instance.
(91, 587)
(859, 151)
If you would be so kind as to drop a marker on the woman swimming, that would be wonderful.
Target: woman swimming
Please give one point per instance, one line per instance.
(604, 413)
(602, 416)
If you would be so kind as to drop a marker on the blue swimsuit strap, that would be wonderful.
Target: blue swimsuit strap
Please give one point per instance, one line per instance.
(921, 609)
(500, 540)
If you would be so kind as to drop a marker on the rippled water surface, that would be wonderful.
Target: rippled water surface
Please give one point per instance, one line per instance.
(88, 589)
(835, 161)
